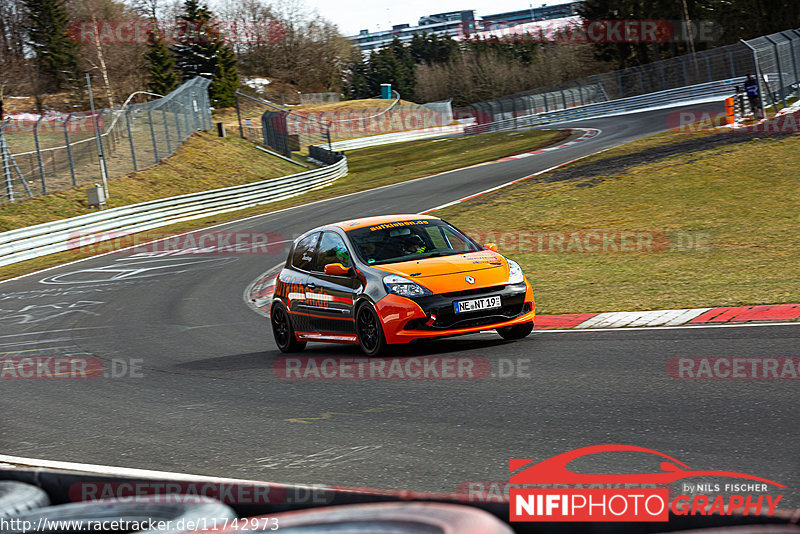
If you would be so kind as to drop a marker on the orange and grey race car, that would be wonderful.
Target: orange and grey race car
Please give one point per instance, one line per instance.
(395, 279)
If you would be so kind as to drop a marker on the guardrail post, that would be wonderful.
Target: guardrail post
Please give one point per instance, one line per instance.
(780, 70)
(39, 153)
(69, 150)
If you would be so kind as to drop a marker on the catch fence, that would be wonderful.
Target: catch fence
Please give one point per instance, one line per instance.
(56, 151)
(774, 59)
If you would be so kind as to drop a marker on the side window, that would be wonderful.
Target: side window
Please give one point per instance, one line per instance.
(436, 237)
(456, 241)
(303, 255)
(332, 250)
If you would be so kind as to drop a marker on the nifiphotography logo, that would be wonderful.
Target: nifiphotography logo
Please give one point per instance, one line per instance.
(565, 495)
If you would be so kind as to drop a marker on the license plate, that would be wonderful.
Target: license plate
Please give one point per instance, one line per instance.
(486, 303)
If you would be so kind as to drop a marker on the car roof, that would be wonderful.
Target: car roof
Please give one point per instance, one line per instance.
(382, 219)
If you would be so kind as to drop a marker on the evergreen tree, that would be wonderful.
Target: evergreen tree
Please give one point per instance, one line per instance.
(160, 66)
(197, 42)
(56, 52)
(226, 80)
(432, 48)
(392, 64)
(201, 51)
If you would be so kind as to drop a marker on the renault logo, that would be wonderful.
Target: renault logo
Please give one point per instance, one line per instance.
(470, 280)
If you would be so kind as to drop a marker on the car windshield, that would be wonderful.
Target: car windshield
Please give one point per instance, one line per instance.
(409, 240)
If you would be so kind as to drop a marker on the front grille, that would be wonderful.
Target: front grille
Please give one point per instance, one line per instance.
(445, 321)
(476, 291)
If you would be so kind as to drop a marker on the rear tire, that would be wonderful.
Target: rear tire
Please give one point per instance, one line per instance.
(369, 331)
(283, 331)
(517, 331)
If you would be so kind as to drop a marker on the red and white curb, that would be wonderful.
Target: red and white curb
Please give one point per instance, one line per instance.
(259, 295)
(588, 134)
(689, 316)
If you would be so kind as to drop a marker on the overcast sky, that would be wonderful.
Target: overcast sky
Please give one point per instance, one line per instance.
(354, 15)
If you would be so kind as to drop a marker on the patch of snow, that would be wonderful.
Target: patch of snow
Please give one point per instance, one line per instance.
(259, 84)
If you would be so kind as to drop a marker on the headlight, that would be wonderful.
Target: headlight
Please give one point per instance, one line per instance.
(515, 275)
(404, 287)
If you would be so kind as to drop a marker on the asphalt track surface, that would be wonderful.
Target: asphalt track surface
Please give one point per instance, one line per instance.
(206, 399)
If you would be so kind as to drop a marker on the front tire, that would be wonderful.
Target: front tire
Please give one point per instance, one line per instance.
(283, 331)
(517, 331)
(369, 331)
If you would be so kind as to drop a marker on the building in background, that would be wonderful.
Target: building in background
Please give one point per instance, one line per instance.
(458, 24)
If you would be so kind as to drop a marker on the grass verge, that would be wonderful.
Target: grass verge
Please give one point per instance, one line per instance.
(722, 223)
(201, 163)
(204, 162)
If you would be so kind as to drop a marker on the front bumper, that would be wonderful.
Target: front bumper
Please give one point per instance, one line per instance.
(405, 320)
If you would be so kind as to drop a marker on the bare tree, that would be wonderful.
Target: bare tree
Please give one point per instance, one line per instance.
(13, 63)
(477, 76)
(120, 59)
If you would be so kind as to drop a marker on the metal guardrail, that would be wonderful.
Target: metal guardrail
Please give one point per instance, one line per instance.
(60, 236)
(681, 95)
(385, 139)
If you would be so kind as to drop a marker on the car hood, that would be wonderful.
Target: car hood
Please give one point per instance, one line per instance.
(448, 273)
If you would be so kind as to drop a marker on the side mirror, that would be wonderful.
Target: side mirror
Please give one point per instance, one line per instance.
(490, 246)
(337, 269)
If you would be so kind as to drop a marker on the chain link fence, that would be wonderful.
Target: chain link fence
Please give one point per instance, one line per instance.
(287, 131)
(319, 98)
(57, 151)
(775, 59)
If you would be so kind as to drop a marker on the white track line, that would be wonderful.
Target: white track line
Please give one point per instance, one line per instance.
(678, 327)
(220, 225)
(19, 461)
